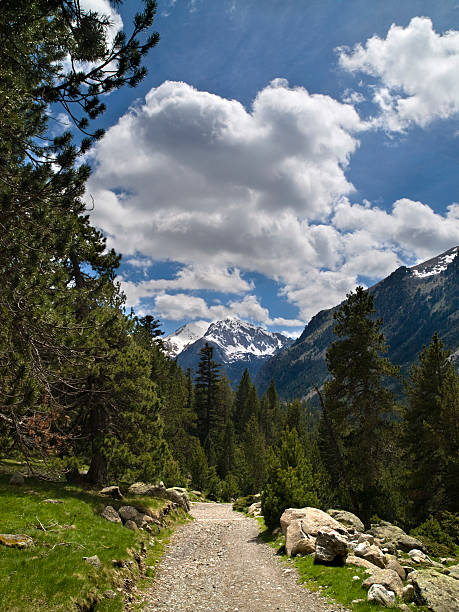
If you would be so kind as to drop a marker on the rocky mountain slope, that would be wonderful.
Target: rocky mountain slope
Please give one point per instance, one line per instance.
(237, 345)
(413, 303)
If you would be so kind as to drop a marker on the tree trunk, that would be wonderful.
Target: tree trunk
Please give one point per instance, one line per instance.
(98, 472)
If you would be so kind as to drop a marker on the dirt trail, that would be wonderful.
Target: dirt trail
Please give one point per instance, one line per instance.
(218, 563)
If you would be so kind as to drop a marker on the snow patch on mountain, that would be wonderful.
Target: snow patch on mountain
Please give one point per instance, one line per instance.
(435, 265)
(238, 338)
(177, 342)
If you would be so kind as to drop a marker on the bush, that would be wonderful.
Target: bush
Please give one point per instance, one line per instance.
(242, 503)
(437, 541)
(289, 482)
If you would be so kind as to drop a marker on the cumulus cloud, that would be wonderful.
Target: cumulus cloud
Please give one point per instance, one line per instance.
(205, 277)
(417, 72)
(190, 177)
(184, 306)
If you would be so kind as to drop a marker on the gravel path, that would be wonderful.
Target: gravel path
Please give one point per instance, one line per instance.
(218, 563)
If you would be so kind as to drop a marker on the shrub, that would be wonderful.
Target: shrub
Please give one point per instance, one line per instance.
(434, 537)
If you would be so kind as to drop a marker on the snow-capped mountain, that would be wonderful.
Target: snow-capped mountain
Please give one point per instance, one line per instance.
(237, 339)
(237, 345)
(413, 304)
(175, 343)
(435, 265)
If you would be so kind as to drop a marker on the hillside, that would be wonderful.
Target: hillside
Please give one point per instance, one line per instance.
(413, 303)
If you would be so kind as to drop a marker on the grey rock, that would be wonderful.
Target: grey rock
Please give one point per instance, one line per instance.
(111, 492)
(393, 564)
(109, 594)
(110, 514)
(128, 513)
(365, 537)
(408, 593)
(347, 519)
(94, 561)
(438, 592)
(53, 501)
(313, 520)
(131, 525)
(16, 479)
(371, 553)
(454, 571)
(388, 578)
(179, 497)
(331, 546)
(254, 509)
(297, 542)
(16, 540)
(353, 560)
(381, 595)
(395, 536)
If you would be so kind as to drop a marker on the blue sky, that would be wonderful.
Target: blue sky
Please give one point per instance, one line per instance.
(278, 153)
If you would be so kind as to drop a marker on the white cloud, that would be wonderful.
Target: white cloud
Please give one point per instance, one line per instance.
(417, 69)
(184, 306)
(204, 277)
(190, 177)
(412, 227)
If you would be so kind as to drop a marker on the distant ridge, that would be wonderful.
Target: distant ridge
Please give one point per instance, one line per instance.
(413, 303)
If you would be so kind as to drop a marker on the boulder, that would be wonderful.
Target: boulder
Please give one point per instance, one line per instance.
(408, 593)
(297, 542)
(94, 561)
(113, 492)
(313, 520)
(381, 595)
(16, 541)
(388, 578)
(454, 571)
(16, 479)
(353, 560)
(438, 592)
(179, 497)
(371, 553)
(395, 536)
(131, 525)
(347, 519)
(254, 509)
(331, 546)
(142, 488)
(110, 514)
(366, 537)
(197, 493)
(393, 564)
(128, 513)
(418, 556)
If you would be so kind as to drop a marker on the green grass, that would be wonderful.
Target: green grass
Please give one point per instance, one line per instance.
(52, 574)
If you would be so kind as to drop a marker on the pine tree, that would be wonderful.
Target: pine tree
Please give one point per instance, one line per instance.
(289, 481)
(55, 272)
(207, 398)
(432, 432)
(271, 415)
(360, 410)
(245, 403)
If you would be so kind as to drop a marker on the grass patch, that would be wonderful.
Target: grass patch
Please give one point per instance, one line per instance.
(52, 574)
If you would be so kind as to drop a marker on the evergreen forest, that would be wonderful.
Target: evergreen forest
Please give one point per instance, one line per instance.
(86, 389)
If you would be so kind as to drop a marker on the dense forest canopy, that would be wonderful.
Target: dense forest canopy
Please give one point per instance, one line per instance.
(83, 384)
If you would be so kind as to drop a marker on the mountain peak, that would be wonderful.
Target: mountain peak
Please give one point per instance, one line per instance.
(436, 264)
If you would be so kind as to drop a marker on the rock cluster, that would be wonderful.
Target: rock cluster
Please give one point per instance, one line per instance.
(337, 537)
(177, 495)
